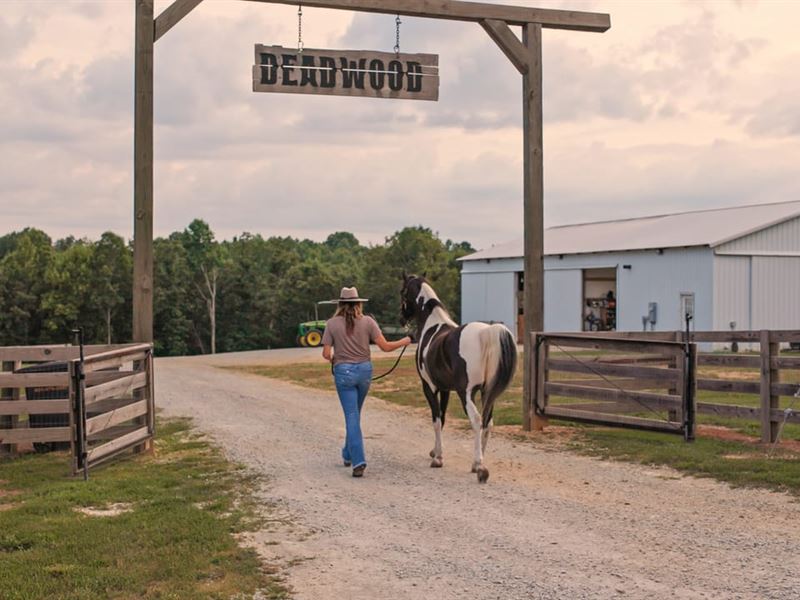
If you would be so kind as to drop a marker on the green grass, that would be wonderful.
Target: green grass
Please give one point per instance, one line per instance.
(733, 462)
(738, 462)
(185, 503)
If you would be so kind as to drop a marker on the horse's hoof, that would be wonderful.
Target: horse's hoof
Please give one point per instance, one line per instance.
(432, 454)
(436, 463)
(483, 474)
(475, 467)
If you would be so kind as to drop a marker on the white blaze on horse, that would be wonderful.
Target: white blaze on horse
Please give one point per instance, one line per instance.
(465, 359)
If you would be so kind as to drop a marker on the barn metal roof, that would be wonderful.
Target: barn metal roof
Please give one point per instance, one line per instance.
(697, 228)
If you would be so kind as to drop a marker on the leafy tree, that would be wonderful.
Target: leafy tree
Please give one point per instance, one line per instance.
(206, 259)
(112, 277)
(23, 282)
(69, 296)
(246, 293)
(171, 298)
(411, 250)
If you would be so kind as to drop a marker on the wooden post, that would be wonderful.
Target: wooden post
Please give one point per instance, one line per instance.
(542, 354)
(689, 416)
(143, 174)
(533, 190)
(769, 375)
(530, 359)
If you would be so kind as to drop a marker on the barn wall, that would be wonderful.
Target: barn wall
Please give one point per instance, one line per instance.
(652, 277)
(732, 281)
(563, 291)
(776, 292)
(781, 238)
(489, 295)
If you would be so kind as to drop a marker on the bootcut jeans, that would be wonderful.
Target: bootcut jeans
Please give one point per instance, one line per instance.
(352, 383)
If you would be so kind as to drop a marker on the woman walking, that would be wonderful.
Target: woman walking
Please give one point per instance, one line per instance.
(348, 334)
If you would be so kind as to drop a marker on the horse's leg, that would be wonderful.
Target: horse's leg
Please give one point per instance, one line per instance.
(475, 420)
(433, 402)
(438, 425)
(488, 422)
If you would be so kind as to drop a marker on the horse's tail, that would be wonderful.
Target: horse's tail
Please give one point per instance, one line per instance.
(500, 362)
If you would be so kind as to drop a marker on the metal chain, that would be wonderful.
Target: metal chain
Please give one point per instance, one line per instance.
(299, 28)
(397, 22)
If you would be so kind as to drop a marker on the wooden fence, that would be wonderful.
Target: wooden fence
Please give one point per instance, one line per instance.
(768, 372)
(611, 385)
(97, 407)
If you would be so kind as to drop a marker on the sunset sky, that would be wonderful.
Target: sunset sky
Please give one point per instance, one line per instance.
(679, 106)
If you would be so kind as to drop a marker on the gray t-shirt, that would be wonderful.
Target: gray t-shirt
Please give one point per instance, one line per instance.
(350, 348)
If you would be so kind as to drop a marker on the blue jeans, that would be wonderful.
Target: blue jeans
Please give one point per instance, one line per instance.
(352, 383)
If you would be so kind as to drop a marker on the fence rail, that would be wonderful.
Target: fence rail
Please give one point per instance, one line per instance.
(615, 387)
(98, 407)
(769, 380)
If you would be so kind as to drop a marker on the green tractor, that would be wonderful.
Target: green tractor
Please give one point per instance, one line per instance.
(309, 334)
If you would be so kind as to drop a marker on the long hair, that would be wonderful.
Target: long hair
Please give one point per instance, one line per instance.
(350, 311)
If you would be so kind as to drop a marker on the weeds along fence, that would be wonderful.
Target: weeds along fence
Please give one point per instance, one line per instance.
(95, 407)
(760, 386)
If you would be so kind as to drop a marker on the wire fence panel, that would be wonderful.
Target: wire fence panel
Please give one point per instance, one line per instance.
(617, 381)
(96, 401)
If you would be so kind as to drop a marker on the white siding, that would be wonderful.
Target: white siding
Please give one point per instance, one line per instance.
(489, 297)
(731, 292)
(562, 299)
(776, 292)
(781, 238)
(652, 277)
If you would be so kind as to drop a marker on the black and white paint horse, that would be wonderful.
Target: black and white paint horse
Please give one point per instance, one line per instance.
(460, 358)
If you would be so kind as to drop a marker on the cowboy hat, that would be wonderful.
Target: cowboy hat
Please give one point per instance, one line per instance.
(350, 294)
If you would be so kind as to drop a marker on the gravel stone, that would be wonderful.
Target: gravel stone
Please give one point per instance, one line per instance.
(536, 530)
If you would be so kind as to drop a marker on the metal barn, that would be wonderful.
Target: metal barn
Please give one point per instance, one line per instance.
(732, 268)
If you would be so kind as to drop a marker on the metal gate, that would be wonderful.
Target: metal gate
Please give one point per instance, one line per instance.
(112, 402)
(637, 383)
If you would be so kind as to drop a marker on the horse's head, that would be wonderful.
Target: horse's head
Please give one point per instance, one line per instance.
(410, 296)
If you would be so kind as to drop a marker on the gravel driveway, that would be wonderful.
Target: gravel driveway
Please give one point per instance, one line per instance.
(548, 524)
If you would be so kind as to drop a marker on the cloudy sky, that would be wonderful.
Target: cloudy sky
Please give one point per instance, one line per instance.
(681, 105)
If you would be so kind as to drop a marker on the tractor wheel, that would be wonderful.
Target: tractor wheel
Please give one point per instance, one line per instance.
(299, 340)
(303, 341)
(314, 338)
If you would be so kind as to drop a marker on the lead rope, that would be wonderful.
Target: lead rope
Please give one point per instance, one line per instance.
(397, 362)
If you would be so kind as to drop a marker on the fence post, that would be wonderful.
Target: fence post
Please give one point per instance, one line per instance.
(690, 404)
(540, 399)
(769, 375)
(528, 387)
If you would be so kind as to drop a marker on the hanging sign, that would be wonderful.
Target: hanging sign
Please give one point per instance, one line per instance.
(346, 73)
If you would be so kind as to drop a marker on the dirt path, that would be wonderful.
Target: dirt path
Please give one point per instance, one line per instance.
(547, 525)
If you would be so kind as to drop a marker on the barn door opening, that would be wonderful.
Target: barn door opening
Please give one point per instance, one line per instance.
(600, 299)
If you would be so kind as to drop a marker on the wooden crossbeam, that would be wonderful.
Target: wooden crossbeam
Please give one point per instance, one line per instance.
(509, 43)
(172, 15)
(457, 10)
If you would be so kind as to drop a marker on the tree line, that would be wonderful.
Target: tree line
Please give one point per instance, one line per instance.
(209, 296)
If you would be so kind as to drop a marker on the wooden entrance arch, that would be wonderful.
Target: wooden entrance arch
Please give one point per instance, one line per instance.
(496, 20)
